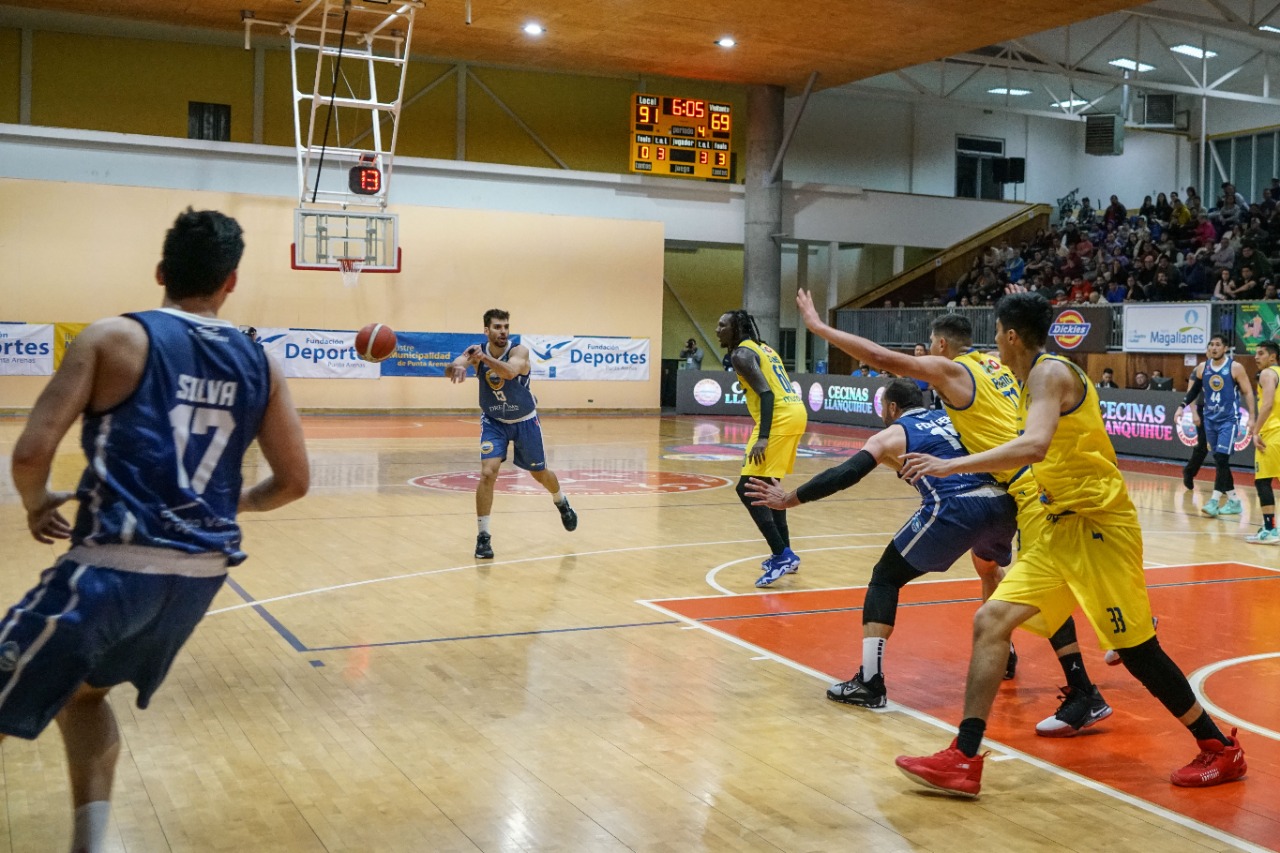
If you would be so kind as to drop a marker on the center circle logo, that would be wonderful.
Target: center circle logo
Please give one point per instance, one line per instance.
(706, 392)
(1242, 437)
(578, 481)
(1186, 429)
(1069, 329)
(815, 397)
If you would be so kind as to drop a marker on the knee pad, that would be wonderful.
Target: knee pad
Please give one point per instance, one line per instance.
(890, 574)
(1150, 664)
(1266, 494)
(1064, 636)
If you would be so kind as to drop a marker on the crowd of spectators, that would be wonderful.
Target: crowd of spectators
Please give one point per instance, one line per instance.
(1170, 249)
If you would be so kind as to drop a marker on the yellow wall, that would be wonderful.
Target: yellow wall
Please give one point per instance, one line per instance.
(10, 69)
(136, 86)
(709, 283)
(89, 251)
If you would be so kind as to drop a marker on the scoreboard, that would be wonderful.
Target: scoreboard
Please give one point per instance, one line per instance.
(681, 137)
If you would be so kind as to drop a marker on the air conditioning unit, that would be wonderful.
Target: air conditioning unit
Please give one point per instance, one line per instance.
(1160, 111)
(1104, 135)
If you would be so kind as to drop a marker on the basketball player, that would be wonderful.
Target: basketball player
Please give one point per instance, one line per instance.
(780, 421)
(1090, 553)
(956, 514)
(1222, 380)
(1266, 440)
(171, 399)
(508, 415)
(981, 396)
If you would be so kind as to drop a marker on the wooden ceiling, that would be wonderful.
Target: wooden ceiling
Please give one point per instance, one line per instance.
(778, 42)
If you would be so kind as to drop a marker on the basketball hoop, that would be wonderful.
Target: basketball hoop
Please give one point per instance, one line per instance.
(350, 269)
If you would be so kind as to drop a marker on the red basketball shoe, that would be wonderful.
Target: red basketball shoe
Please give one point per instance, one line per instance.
(1214, 765)
(949, 770)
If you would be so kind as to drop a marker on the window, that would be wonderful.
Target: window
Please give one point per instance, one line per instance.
(209, 121)
(974, 172)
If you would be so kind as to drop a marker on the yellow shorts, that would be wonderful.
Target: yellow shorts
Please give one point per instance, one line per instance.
(779, 456)
(1032, 514)
(1083, 560)
(1268, 461)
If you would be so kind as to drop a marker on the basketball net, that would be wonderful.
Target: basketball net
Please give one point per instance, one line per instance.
(350, 269)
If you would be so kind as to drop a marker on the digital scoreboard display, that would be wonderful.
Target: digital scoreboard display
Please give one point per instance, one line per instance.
(681, 137)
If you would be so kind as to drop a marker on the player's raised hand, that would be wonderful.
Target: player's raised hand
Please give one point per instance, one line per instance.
(808, 313)
(45, 522)
(456, 373)
(917, 465)
(767, 493)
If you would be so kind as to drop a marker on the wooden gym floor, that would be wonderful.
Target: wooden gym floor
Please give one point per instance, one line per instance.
(364, 684)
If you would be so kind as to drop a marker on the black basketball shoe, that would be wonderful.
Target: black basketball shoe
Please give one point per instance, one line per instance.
(568, 517)
(855, 691)
(484, 551)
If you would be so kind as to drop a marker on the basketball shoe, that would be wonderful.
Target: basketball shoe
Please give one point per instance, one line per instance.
(777, 566)
(568, 517)
(484, 550)
(865, 694)
(1231, 507)
(1214, 765)
(1210, 508)
(791, 556)
(1078, 710)
(949, 770)
(1264, 536)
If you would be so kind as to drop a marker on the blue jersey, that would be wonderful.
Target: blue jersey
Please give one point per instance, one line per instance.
(1219, 393)
(930, 431)
(506, 400)
(164, 465)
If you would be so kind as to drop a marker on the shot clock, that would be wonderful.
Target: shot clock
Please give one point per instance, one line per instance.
(680, 137)
(364, 179)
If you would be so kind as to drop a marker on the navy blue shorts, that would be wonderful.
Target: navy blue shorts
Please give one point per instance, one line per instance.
(526, 435)
(940, 533)
(97, 626)
(1221, 437)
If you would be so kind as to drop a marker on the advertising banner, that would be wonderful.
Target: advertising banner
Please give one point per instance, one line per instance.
(576, 357)
(1257, 322)
(1082, 329)
(316, 354)
(1166, 327)
(851, 400)
(1141, 423)
(427, 353)
(63, 335)
(26, 349)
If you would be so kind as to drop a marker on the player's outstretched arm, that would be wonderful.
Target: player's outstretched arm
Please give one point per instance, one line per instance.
(886, 446)
(951, 380)
(280, 437)
(1241, 376)
(1053, 387)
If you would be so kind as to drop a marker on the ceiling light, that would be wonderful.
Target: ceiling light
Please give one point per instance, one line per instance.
(1267, 28)
(727, 41)
(534, 29)
(1130, 65)
(1193, 51)
(1003, 91)
(1073, 101)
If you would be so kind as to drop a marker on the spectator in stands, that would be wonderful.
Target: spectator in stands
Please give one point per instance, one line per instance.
(864, 370)
(1268, 202)
(1160, 382)
(1140, 382)
(1117, 213)
(691, 356)
(1108, 379)
(1148, 208)
(1179, 219)
(1085, 216)
(1249, 286)
(1269, 292)
(1146, 272)
(1228, 288)
(1163, 290)
(1163, 210)
(1133, 290)
(1253, 259)
(1230, 214)
(1116, 292)
(1193, 198)
(1204, 234)
(1197, 272)
(1079, 291)
(1223, 255)
(1164, 265)
(1229, 189)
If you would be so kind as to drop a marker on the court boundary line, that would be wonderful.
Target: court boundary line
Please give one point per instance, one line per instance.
(1092, 784)
(1201, 675)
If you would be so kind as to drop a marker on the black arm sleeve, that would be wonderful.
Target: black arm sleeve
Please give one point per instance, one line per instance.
(766, 413)
(1197, 385)
(837, 479)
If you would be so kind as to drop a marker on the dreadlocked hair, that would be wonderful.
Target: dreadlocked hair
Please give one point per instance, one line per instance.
(744, 327)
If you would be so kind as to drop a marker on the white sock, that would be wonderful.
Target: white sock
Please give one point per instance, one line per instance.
(482, 521)
(872, 656)
(91, 827)
(1217, 495)
(558, 497)
(1231, 495)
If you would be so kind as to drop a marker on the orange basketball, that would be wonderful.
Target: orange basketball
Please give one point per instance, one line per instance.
(375, 342)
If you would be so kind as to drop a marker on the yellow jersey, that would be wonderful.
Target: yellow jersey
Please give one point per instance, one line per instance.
(789, 416)
(1271, 428)
(992, 418)
(1079, 474)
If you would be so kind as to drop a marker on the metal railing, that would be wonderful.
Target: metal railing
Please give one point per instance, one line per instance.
(905, 327)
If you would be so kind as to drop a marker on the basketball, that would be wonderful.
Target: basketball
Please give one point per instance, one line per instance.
(375, 342)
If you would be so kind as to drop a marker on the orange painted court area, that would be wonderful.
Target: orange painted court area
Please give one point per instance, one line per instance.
(1208, 614)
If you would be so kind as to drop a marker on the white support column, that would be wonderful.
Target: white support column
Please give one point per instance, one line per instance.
(802, 282)
(899, 259)
(833, 292)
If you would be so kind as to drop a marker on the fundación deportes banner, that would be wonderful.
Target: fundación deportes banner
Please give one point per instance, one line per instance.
(26, 349)
(317, 354)
(575, 357)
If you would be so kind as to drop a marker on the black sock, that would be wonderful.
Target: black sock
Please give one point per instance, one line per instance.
(969, 740)
(780, 522)
(1204, 728)
(1073, 669)
(1269, 520)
